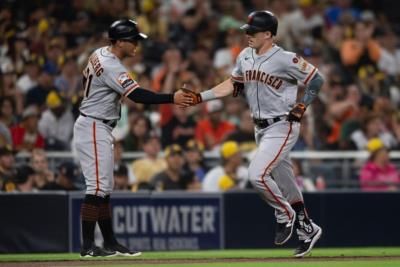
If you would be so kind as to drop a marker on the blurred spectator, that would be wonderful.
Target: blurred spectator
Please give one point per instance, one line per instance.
(7, 166)
(54, 56)
(145, 168)
(22, 181)
(8, 87)
(244, 136)
(344, 105)
(185, 32)
(234, 109)
(224, 57)
(340, 8)
(230, 174)
(119, 164)
(174, 177)
(69, 81)
(139, 129)
(212, 130)
(306, 138)
(180, 129)
(362, 50)
(38, 94)
(40, 165)
(67, 174)
(304, 24)
(7, 112)
(372, 127)
(56, 123)
(121, 179)
(194, 160)
(378, 173)
(26, 135)
(30, 77)
(6, 115)
(306, 184)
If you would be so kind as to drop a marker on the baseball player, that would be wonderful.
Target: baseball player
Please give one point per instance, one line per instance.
(268, 77)
(106, 82)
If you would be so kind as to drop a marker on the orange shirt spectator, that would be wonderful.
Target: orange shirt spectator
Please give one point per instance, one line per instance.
(352, 50)
(213, 130)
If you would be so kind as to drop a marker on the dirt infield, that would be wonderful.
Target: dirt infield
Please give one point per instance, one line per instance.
(138, 261)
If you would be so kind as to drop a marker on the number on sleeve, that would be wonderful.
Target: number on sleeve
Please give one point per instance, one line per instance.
(87, 80)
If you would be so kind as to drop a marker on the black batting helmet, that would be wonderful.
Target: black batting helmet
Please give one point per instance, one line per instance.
(125, 29)
(261, 21)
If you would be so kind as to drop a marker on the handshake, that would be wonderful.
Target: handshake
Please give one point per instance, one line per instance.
(186, 98)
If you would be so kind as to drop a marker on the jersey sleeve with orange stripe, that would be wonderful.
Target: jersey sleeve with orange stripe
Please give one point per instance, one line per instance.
(298, 68)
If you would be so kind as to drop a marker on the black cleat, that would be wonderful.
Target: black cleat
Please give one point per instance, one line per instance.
(284, 231)
(95, 251)
(120, 250)
(305, 246)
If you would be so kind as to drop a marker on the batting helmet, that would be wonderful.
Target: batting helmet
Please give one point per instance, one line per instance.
(125, 29)
(261, 21)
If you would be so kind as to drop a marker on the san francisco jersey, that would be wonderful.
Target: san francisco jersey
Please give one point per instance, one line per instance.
(105, 82)
(270, 80)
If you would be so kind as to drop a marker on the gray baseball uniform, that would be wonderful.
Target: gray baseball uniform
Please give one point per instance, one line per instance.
(270, 85)
(105, 82)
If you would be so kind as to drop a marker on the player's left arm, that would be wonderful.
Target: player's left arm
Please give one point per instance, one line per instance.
(311, 92)
(312, 89)
(299, 69)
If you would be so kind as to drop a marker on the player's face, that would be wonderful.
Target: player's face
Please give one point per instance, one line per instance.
(256, 40)
(129, 47)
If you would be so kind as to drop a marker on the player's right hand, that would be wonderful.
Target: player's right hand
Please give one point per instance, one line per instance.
(195, 98)
(186, 98)
(297, 112)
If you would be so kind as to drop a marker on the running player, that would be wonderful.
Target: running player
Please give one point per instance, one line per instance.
(268, 76)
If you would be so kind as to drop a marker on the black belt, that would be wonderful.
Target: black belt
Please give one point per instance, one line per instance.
(111, 123)
(264, 123)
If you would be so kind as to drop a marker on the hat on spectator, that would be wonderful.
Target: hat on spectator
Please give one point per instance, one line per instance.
(30, 111)
(53, 100)
(374, 145)
(173, 149)
(367, 16)
(194, 145)
(69, 169)
(23, 173)
(6, 150)
(229, 148)
(305, 3)
(214, 105)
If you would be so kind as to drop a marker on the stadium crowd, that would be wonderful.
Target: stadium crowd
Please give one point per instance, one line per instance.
(44, 45)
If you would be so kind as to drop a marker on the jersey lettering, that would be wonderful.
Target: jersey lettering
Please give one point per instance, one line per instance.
(260, 76)
(95, 62)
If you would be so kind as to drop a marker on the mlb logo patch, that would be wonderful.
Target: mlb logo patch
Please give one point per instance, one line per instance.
(125, 80)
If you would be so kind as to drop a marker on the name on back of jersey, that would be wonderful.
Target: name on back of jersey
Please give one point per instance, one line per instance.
(95, 62)
(266, 78)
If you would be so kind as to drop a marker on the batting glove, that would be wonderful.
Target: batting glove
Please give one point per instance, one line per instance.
(297, 112)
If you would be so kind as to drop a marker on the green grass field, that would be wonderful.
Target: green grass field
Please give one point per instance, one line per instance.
(357, 257)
